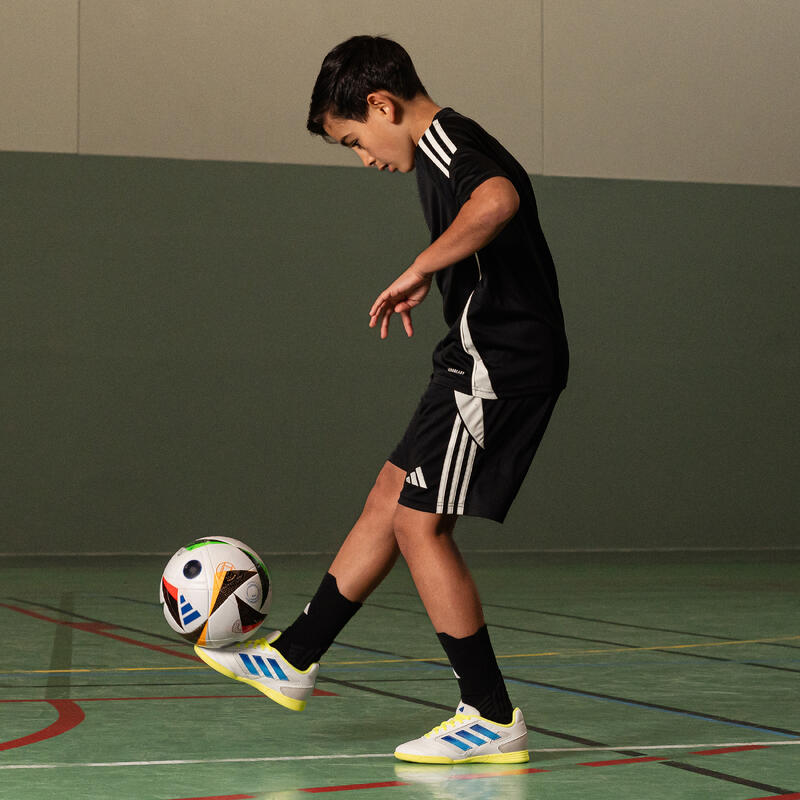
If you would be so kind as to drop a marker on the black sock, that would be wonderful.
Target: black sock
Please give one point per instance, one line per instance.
(479, 678)
(313, 632)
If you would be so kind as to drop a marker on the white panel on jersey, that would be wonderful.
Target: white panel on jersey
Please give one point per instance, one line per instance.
(481, 383)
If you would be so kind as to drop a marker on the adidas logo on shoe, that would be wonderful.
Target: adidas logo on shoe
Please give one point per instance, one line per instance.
(260, 665)
(468, 737)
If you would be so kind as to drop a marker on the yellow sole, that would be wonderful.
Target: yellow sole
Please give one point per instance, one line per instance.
(517, 757)
(277, 697)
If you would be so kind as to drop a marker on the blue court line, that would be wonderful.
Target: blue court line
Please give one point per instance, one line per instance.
(672, 664)
(647, 707)
(591, 696)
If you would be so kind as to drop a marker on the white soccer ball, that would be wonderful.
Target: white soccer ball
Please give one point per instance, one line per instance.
(215, 591)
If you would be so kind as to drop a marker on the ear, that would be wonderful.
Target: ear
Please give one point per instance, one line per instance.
(384, 104)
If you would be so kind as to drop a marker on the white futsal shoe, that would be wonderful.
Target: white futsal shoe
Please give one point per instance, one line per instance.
(259, 664)
(468, 737)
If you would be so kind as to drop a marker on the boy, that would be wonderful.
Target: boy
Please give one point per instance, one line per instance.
(496, 377)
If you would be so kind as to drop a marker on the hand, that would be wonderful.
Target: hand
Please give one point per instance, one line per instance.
(409, 290)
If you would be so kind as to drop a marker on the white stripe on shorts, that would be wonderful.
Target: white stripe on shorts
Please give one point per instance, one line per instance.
(473, 448)
(464, 448)
(446, 468)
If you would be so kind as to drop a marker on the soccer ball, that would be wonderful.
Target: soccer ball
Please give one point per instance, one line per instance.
(215, 591)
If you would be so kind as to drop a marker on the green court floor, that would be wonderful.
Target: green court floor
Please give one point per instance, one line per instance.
(649, 676)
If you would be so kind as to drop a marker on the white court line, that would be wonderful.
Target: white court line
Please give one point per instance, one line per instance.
(180, 762)
(536, 551)
(661, 747)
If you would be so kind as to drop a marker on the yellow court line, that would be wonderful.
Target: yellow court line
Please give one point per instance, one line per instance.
(93, 669)
(561, 653)
(567, 653)
(653, 647)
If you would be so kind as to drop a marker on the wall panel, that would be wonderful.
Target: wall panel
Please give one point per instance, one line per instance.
(39, 75)
(204, 80)
(160, 382)
(686, 90)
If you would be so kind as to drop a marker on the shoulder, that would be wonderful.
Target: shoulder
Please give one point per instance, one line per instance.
(452, 130)
(450, 137)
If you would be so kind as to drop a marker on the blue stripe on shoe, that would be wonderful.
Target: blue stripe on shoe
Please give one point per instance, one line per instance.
(277, 668)
(470, 737)
(262, 666)
(249, 664)
(452, 740)
(484, 731)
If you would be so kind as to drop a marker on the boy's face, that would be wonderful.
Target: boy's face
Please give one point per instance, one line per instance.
(381, 141)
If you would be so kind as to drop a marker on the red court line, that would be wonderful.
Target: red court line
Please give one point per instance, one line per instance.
(317, 693)
(795, 796)
(100, 628)
(315, 790)
(729, 750)
(616, 761)
(520, 771)
(223, 797)
(353, 786)
(69, 715)
(388, 784)
(154, 697)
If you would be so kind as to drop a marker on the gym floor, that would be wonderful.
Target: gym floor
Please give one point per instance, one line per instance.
(661, 675)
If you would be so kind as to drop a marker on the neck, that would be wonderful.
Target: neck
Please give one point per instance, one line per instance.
(421, 111)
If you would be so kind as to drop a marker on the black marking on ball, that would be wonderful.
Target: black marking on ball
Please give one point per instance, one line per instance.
(191, 569)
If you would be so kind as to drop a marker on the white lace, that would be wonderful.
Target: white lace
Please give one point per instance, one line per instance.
(453, 722)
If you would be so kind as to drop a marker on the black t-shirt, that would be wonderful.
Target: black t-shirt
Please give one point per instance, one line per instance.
(506, 333)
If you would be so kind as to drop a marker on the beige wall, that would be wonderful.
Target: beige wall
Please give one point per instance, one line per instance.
(690, 90)
(224, 80)
(39, 75)
(694, 90)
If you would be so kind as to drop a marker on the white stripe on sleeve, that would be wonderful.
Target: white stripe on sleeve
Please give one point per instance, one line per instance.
(428, 152)
(429, 137)
(445, 137)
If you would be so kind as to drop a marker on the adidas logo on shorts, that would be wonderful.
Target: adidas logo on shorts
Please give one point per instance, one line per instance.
(416, 478)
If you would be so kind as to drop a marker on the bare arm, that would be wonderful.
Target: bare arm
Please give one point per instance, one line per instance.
(488, 210)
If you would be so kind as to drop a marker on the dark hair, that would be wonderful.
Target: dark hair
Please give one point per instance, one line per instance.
(352, 70)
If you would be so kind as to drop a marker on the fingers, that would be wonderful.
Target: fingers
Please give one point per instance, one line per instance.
(406, 292)
(381, 315)
(380, 312)
(397, 291)
(384, 314)
(406, 317)
(385, 323)
(380, 301)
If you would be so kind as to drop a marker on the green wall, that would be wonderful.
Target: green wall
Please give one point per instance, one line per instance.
(185, 350)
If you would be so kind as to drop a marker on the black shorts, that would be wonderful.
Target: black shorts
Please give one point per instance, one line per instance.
(467, 455)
